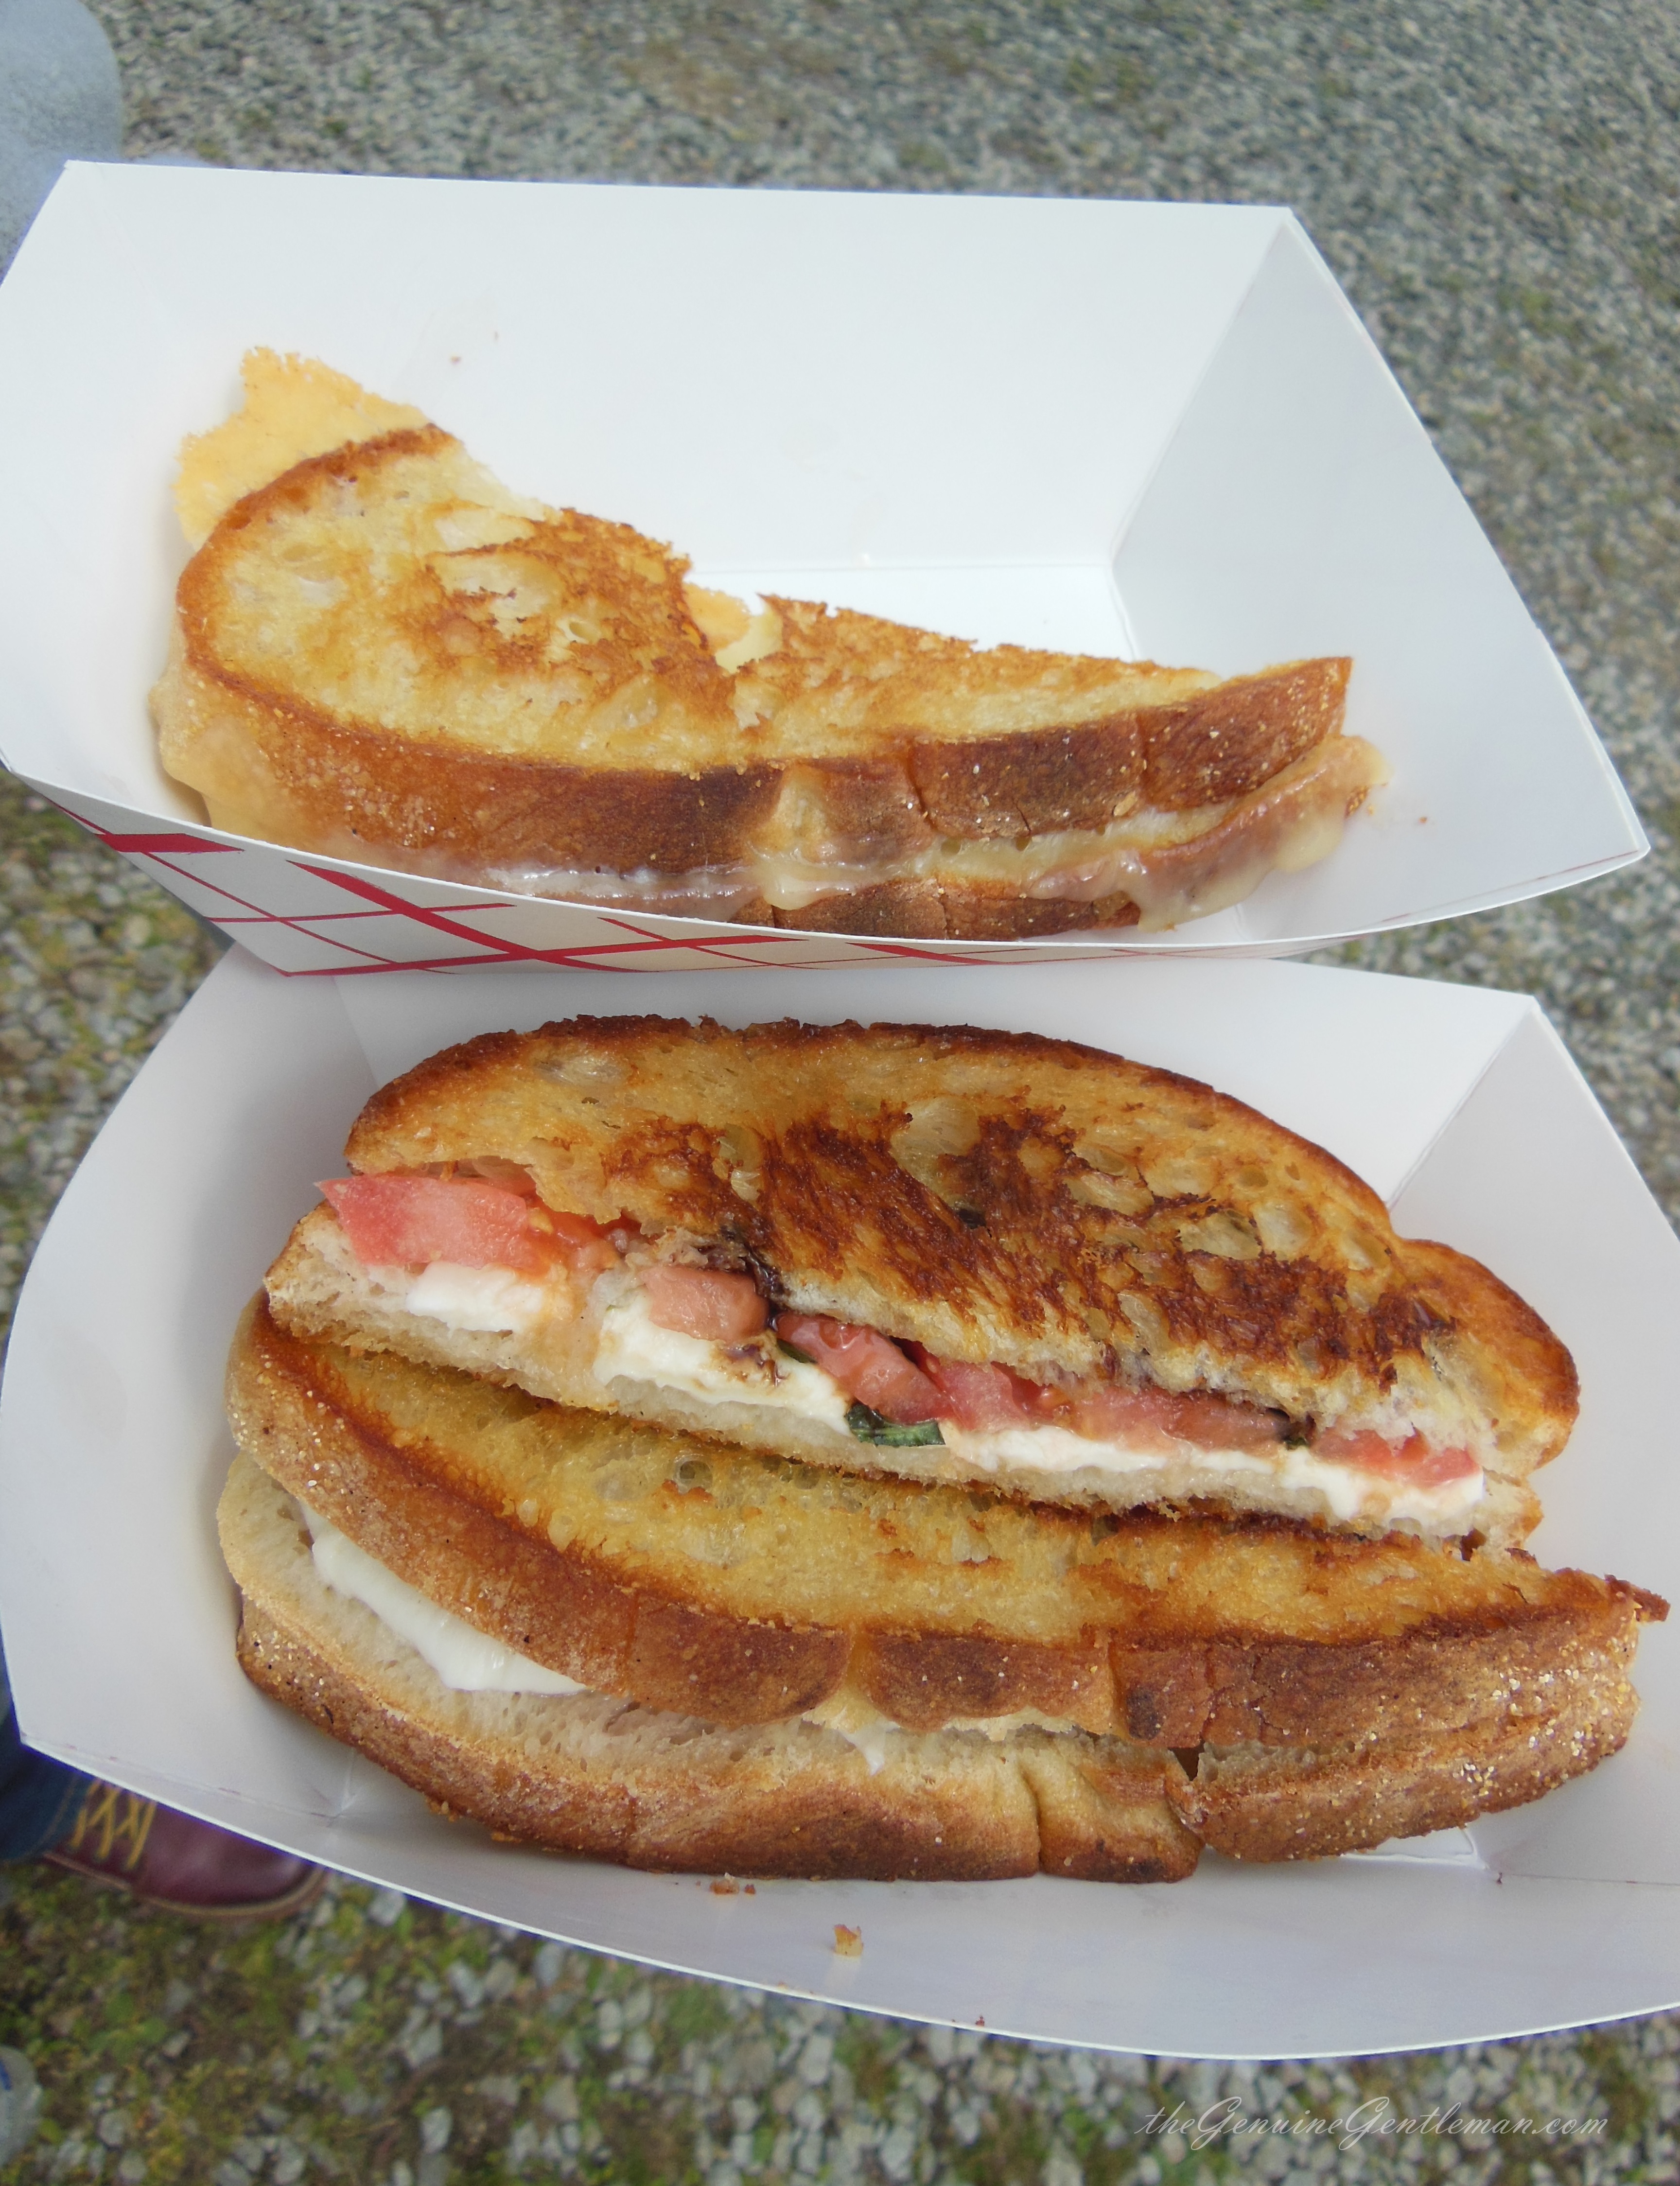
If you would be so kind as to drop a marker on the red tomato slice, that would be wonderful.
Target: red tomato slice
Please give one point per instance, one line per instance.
(1201, 1418)
(410, 1221)
(1106, 1413)
(981, 1397)
(1414, 1461)
(704, 1302)
(868, 1366)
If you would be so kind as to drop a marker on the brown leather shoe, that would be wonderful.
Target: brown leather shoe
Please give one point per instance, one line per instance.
(165, 1859)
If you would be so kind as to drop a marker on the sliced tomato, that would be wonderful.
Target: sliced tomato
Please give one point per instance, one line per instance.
(1415, 1462)
(1207, 1420)
(704, 1302)
(984, 1398)
(1107, 1413)
(411, 1221)
(870, 1367)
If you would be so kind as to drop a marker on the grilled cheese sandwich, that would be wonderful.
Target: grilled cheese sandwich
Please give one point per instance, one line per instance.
(943, 1253)
(381, 654)
(538, 1582)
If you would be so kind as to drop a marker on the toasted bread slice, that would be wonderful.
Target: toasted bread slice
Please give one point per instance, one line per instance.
(1001, 1200)
(1266, 1803)
(590, 1774)
(380, 653)
(683, 1574)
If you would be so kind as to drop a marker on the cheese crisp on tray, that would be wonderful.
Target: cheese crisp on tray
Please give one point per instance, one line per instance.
(380, 653)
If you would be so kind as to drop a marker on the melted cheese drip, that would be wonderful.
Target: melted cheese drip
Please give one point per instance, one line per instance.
(1346, 1490)
(466, 1660)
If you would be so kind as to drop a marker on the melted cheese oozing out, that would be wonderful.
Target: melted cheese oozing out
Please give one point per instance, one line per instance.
(465, 1661)
(862, 1725)
(479, 1298)
(633, 1346)
(1173, 865)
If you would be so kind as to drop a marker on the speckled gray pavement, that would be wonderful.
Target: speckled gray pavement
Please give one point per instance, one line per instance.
(1497, 189)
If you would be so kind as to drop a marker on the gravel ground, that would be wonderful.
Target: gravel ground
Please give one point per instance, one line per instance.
(1497, 192)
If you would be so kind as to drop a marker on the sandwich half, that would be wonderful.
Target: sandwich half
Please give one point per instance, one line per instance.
(633, 1643)
(950, 1255)
(380, 653)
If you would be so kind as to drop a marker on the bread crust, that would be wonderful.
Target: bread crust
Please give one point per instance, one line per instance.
(936, 910)
(630, 751)
(1486, 1667)
(1090, 1217)
(1270, 1805)
(595, 1776)
(681, 1574)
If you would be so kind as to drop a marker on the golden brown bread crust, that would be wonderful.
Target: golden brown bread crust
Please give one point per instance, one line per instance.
(1000, 1197)
(1256, 1804)
(1203, 749)
(383, 653)
(592, 1775)
(435, 786)
(686, 1575)
(937, 910)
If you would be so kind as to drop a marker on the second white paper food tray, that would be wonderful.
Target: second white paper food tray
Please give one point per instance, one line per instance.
(1149, 430)
(1460, 1106)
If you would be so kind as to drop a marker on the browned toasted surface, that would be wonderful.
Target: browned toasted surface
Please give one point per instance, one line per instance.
(685, 1574)
(592, 1775)
(383, 647)
(384, 653)
(1001, 1197)
(1271, 1805)
(1061, 741)
(927, 910)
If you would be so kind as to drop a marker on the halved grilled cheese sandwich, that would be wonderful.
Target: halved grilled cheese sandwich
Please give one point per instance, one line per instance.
(380, 653)
(635, 1643)
(947, 1254)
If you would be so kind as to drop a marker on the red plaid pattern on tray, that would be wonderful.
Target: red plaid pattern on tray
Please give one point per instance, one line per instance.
(320, 918)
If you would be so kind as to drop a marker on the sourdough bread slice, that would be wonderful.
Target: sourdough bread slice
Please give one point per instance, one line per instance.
(381, 653)
(592, 1774)
(1000, 1199)
(683, 1573)
(1255, 1803)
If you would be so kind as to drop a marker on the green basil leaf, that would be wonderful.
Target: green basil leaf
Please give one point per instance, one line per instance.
(870, 1426)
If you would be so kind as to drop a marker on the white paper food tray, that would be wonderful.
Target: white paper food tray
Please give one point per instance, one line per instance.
(1460, 1106)
(1142, 429)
